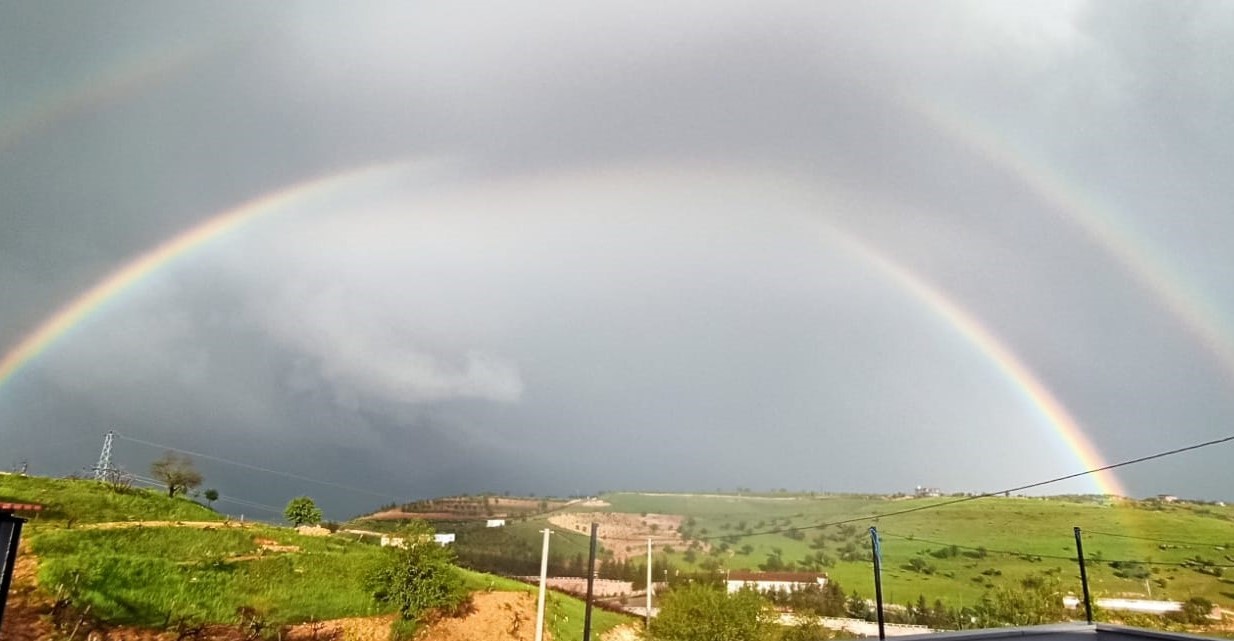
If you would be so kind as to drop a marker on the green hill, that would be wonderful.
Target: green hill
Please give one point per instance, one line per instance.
(94, 552)
(72, 501)
(956, 553)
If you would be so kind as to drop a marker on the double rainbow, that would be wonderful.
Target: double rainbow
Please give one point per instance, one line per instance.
(305, 194)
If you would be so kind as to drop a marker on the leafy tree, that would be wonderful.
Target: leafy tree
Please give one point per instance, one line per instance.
(418, 579)
(211, 495)
(1039, 600)
(301, 511)
(697, 612)
(176, 471)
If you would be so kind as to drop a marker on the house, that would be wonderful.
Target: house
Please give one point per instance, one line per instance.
(768, 581)
(1167, 498)
(495, 523)
(443, 539)
(925, 492)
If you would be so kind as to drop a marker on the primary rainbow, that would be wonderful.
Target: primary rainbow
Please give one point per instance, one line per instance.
(81, 307)
(303, 194)
(1002, 356)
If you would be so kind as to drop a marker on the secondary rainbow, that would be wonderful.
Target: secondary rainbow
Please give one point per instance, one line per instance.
(966, 324)
(1130, 248)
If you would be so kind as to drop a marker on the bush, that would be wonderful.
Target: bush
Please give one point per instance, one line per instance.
(704, 613)
(420, 579)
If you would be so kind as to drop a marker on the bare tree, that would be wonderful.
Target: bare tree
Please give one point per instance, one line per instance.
(177, 472)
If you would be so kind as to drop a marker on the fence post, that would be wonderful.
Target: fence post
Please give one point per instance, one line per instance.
(1079, 553)
(591, 581)
(10, 538)
(878, 580)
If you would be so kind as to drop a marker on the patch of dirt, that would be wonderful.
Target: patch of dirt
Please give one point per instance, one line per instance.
(354, 629)
(24, 617)
(625, 535)
(622, 633)
(495, 616)
(202, 525)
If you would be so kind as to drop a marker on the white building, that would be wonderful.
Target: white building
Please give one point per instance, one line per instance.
(495, 523)
(393, 541)
(443, 539)
(768, 581)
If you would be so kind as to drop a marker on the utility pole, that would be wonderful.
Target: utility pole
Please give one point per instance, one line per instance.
(877, 550)
(591, 580)
(543, 584)
(104, 465)
(648, 583)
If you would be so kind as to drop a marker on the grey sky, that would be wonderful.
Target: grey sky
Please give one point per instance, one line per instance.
(605, 250)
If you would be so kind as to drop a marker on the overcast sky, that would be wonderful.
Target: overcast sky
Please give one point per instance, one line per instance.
(571, 247)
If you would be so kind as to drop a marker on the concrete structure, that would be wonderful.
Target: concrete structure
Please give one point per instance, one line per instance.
(393, 541)
(768, 581)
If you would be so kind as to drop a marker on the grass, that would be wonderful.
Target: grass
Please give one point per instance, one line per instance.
(154, 576)
(72, 501)
(1035, 533)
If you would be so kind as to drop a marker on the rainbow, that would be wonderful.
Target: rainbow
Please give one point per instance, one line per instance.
(1002, 356)
(110, 85)
(84, 305)
(1131, 249)
(304, 194)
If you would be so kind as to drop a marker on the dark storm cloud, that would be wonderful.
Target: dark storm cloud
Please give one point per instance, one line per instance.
(616, 263)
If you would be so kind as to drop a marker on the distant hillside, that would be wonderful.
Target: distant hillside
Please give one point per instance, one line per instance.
(467, 508)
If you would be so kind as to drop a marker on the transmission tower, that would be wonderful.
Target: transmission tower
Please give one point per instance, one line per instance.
(104, 465)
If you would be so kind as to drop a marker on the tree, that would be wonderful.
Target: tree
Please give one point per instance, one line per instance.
(419, 578)
(699, 612)
(302, 511)
(177, 472)
(211, 495)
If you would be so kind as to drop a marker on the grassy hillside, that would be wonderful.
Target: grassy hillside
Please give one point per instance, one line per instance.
(80, 501)
(159, 576)
(997, 542)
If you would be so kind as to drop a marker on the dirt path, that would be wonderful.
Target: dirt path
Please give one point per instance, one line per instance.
(24, 615)
(201, 525)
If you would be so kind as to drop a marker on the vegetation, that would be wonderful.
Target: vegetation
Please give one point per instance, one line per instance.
(708, 613)
(177, 472)
(959, 553)
(302, 511)
(418, 578)
(70, 502)
(182, 577)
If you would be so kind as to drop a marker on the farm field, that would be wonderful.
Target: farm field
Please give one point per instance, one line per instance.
(956, 553)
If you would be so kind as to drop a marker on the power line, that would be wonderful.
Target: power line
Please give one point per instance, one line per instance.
(1145, 538)
(1072, 559)
(258, 468)
(934, 506)
(246, 503)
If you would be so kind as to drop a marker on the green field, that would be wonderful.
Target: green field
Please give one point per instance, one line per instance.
(998, 541)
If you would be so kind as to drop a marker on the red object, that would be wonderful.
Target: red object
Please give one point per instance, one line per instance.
(21, 507)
